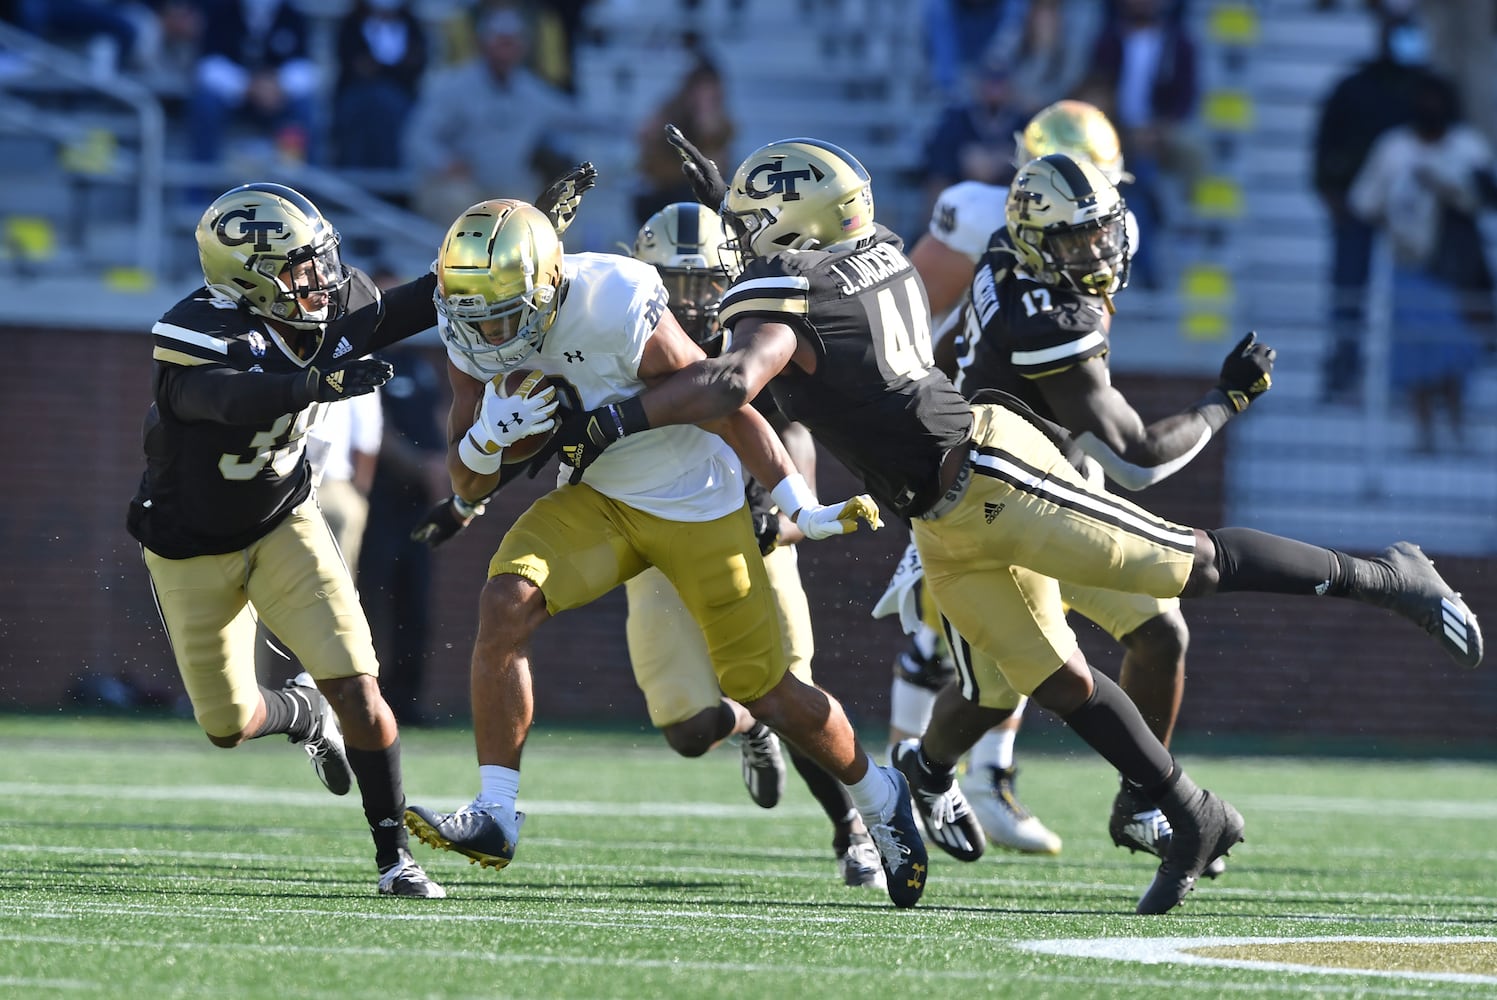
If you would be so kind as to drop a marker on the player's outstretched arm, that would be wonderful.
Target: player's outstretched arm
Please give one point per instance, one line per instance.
(1135, 455)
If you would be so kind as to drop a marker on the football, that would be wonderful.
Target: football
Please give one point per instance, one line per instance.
(524, 382)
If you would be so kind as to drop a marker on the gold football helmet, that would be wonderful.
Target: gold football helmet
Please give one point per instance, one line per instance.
(1077, 129)
(499, 281)
(1069, 225)
(684, 241)
(268, 247)
(795, 194)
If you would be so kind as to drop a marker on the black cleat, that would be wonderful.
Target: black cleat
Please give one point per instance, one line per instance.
(474, 831)
(324, 744)
(405, 878)
(944, 810)
(763, 766)
(1203, 828)
(1137, 824)
(900, 848)
(1421, 595)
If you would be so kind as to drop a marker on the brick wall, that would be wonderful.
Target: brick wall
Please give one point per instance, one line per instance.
(74, 596)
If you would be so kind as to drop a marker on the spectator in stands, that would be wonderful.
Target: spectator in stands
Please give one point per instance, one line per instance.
(488, 127)
(699, 108)
(958, 34)
(1373, 98)
(382, 49)
(1145, 60)
(394, 571)
(256, 67)
(108, 28)
(1047, 56)
(1423, 184)
(973, 139)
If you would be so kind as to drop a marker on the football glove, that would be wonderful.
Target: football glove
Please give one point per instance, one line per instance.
(818, 522)
(503, 420)
(446, 519)
(1247, 373)
(560, 200)
(706, 180)
(583, 436)
(354, 379)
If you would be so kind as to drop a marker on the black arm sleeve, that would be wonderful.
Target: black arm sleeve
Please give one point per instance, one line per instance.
(224, 396)
(409, 309)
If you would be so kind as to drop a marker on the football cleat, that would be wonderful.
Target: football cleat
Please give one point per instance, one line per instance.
(1418, 593)
(405, 878)
(860, 866)
(763, 766)
(1137, 824)
(1004, 818)
(944, 811)
(475, 831)
(901, 851)
(324, 745)
(1203, 828)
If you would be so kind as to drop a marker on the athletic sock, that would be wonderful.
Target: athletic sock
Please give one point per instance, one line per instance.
(874, 794)
(1111, 724)
(288, 711)
(829, 793)
(383, 792)
(1249, 560)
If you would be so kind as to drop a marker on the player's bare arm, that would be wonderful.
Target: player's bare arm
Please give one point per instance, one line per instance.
(947, 273)
(711, 388)
(669, 352)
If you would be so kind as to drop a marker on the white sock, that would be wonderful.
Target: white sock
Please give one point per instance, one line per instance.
(910, 706)
(874, 795)
(995, 748)
(499, 787)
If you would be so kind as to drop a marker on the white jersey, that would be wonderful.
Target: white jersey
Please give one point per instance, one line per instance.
(610, 309)
(966, 215)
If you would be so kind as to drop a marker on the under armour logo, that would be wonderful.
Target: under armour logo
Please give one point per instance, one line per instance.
(515, 420)
(991, 510)
(343, 348)
(917, 876)
(572, 356)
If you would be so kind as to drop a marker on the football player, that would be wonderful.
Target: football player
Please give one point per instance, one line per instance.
(964, 217)
(225, 516)
(671, 497)
(829, 313)
(671, 662)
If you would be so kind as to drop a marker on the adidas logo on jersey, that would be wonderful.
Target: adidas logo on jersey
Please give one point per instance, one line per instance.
(343, 348)
(991, 511)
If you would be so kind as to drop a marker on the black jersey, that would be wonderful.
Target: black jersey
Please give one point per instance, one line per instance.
(1016, 330)
(876, 400)
(224, 441)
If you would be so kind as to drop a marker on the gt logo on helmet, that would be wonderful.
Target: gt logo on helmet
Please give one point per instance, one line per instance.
(781, 182)
(249, 230)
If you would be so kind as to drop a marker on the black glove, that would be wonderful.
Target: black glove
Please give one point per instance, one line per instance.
(444, 520)
(582, 437)
(706, 180)
(560, 200)
(353, 379)
(1247, 373)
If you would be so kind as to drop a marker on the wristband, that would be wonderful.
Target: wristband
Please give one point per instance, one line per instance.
(629, 416)
(477, 457)
(1216, 408)
(793, 495)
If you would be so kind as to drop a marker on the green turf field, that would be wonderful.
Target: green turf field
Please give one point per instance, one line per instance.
(137, 861)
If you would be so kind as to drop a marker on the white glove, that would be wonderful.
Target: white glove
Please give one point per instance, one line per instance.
(503, 420)
(817, 521)
(903, 593)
